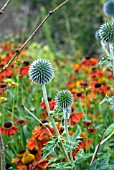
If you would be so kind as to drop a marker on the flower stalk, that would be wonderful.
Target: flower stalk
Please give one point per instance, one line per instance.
(53, 123)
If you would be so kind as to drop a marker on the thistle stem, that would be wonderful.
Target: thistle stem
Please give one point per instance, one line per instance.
(112, 56)
(68, 139)
(53, 123)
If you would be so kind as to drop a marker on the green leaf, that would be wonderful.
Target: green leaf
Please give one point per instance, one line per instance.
(104, 163)
(110, 100)
(77, 134)
(49, 148)
(109, 130)
(104, 59)
(94, 165)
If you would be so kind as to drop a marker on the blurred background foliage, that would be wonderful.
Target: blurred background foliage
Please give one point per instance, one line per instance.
(70, 29)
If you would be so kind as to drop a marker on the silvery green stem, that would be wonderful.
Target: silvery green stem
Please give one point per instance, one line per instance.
(66, 131)
(112, 18)
(104, 48)
(112, 56)
(2, 154)
(52, 121)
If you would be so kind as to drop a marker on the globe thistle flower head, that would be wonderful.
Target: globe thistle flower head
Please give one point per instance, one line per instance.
(41, 71)
(106, 32)
(64, 99)
(108, 8)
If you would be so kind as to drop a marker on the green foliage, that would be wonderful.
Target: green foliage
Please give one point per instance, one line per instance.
(109, 130)
(49, 148)
(105, 60)
(109, 100)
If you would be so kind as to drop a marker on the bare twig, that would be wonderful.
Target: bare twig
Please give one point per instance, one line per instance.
(18, 51)
(37, 120)
(2, 154)
(100, 143)
(4, 6)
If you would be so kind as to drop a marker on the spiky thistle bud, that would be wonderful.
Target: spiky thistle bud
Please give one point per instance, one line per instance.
(106, 32)
(108, 8)
(41, 71)
(64, 99)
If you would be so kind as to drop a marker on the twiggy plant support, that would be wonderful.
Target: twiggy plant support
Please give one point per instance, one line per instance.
(2, 154)
(4, 6)
(37, 119)
(18, 51)
(98, 146)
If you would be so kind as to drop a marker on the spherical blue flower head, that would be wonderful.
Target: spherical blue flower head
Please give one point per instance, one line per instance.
(41, 71)
(108, 8)
(64, 99)
(106, 32)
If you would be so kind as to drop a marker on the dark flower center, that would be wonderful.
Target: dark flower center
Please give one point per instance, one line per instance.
(22, 151)
(87, 57)
(26, 63)
(2, 85)
(97, 85)
(79, 94)
(49, 99)
(7, 124)
(34, 151)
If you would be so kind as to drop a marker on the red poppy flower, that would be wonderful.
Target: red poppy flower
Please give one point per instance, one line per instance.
(74, 118)
(8, 129)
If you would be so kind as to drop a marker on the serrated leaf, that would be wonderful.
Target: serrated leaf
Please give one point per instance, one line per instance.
(94, 165)
(49, 147)
(109, 130)
(104, 163)
(77, 134)
(104, 59)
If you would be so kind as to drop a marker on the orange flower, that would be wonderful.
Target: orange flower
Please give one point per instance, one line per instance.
(90, 62)
(74, 118)
(21, 122)
(8, 129)
(31, 143)
(84, 144)
(52, 104)
(40, 133)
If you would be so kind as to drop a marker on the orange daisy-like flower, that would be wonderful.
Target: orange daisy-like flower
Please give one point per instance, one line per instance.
(84, 144)
(52, 104)
(21, 122)
(32, 144)
(74, 118)
(90, 62)
(8, 129)
(40, 133)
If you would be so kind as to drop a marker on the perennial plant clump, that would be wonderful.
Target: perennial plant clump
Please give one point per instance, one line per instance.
(58, 122)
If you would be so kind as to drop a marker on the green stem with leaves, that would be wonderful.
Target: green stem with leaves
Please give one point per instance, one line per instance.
(67, 135)
(53, 122)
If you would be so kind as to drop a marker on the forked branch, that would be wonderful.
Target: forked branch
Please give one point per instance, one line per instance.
(4, 6)
(18, 51)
